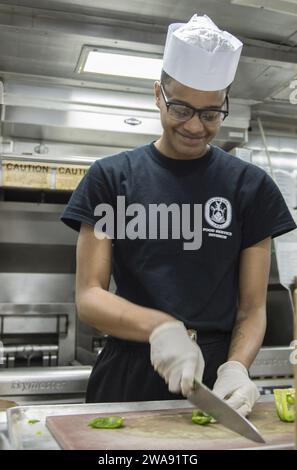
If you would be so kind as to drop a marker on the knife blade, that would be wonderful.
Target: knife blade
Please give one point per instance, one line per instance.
(204, 399)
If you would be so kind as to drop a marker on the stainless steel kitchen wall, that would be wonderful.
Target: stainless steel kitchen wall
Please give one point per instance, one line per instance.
(37, 275)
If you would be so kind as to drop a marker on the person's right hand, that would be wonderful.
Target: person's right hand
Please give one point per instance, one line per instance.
(176, 357)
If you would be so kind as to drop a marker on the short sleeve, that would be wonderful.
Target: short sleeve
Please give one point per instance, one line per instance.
(267, 214)
(93, 189)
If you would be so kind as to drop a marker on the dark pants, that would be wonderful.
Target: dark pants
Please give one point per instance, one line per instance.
(123, 371)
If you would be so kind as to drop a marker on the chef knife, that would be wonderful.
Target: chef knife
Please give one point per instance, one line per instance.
(207, 401)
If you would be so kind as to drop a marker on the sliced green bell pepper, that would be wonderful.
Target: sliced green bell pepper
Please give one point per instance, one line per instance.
(106, 422)
(285, 403)
(199, 417)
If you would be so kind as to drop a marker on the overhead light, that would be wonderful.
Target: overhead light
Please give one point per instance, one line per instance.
(287, 7)
(119, 63)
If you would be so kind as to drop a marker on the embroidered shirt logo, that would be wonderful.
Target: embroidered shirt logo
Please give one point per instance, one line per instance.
(218, 212)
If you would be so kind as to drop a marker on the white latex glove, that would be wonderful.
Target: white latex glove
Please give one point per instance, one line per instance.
(234, 385)
(176, 357)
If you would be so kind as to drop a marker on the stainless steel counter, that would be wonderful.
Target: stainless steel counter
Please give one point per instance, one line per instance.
(4, 443)
(23, 435)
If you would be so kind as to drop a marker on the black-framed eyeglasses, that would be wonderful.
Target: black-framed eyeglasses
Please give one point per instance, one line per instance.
(182, 112)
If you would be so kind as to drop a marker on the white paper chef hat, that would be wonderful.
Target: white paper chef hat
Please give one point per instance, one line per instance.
(198, 54)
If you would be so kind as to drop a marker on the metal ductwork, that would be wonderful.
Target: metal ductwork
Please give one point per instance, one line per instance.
(113, 120)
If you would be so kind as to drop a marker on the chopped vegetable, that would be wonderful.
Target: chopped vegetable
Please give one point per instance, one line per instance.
(291, 399)
(199, 417)
(285, 403)
(33, 421)
(106, 422)
(38, 433)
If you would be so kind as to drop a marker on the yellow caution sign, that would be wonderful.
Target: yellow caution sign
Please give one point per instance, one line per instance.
(69, 176)
(26, 174)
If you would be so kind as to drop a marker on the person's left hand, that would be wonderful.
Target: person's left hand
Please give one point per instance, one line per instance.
(234, 385)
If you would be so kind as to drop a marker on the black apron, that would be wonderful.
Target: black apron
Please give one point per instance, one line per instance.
(123, 371)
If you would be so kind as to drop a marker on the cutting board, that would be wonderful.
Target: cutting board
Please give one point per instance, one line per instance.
(5, 404)
(165, 429)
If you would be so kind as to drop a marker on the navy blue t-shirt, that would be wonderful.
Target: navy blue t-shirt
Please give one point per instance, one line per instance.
(241, 205)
